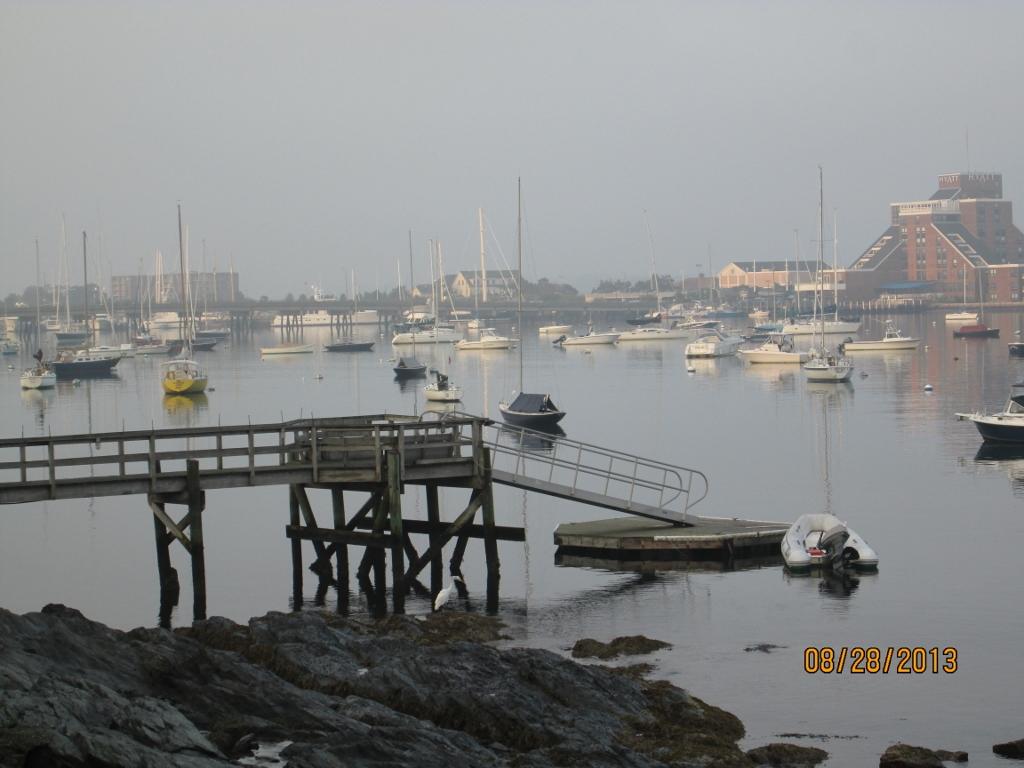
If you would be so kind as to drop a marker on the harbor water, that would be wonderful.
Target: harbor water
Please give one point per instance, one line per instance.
(881, 453)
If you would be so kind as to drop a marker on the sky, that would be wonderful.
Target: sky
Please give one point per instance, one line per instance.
(305, 140)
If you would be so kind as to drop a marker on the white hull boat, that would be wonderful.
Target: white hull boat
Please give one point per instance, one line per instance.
(827, 368)
(810, 327)
(153, 349)
(714, 344)
(961, 317)
(438, 335)
(555, 329)
(443, 392)
(488, 340)
(123, 350)
(589, 339)
(776, 350)
(821, 539)
(293, 349)
(38, 378)
(656, 334)
(893, 340)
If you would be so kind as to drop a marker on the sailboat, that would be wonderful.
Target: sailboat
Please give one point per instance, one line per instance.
(183, 376)
(410, 367)
(963, 316)
(536, 411)
(978, 329)
(442, 390)
(824, 364)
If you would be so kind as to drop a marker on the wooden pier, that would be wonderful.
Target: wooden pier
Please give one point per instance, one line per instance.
(378, 456)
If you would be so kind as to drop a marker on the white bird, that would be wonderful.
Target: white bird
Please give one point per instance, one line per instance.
(445, 594)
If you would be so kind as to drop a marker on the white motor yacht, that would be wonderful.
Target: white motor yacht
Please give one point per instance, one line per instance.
(655, 333)
(555, 329)
(810, 327)
(589, 338)
(488, 340)
(714, 343)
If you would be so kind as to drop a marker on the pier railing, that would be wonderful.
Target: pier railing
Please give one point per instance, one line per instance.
(346, 450)
(304, 450)
(592, 474)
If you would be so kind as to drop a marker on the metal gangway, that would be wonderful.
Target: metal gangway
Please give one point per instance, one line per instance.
(559, 466)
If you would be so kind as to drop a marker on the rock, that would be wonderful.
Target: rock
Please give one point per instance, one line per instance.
(780, 755)
(632, 645)
(1014, 749)
(74, 693)
(906, 756)
(763, 648)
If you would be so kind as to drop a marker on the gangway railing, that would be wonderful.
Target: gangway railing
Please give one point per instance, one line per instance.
(560, 466)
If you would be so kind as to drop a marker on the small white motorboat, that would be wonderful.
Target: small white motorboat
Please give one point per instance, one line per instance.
(589, 338)
(777, 349)
(810, 327)
(713, 343)
(488, 340)
(291, 349)
(1005, 426)
(893, 340)
(555, 329)
(821, 539)
(961, 317)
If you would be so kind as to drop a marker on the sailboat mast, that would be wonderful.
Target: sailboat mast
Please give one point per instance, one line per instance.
(519, 250)
(482, 281)
(835, 261)
(85, 278)
(654, 267)
(821, 234)
(181, 263)
(39, 331)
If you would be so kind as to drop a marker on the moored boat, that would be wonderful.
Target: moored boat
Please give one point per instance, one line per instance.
(488, 340)
(442, 390)
(654, 333)
(778, 348)
(555, 329)
(589, 338)
(182, 377)
(409, 367)
(349, 346)
(439, 334)
(892, 340)
(976, 331)
(535, 411)
(714, 343)
(821, 539)
(83, 365)
(961, 317)
(1006, 426)
(287, 349)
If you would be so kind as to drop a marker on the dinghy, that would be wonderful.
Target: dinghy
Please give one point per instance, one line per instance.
(825, 540)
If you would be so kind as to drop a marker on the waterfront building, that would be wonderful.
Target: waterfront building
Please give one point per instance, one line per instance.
(961, 239)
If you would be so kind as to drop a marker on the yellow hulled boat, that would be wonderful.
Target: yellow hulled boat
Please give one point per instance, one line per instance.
(183, 377)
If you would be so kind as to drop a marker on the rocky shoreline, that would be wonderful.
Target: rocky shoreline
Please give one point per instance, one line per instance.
(331, 691)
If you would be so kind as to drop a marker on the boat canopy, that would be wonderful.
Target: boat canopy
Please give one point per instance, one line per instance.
(1017, 394)
(527, 403)
(409, 362)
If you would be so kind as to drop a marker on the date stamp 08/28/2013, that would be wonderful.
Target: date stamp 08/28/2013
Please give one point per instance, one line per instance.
(873, 660)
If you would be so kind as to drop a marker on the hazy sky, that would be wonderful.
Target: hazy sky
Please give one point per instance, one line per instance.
(306, 139)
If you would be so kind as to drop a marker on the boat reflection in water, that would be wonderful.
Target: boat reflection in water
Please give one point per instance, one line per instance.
(1009, 458)
(835, 583)
(38, 401)
(694, 563)
(182, 409)
(533, 440)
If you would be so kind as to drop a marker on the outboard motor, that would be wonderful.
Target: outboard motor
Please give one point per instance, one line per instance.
(833, 541)
(558, 342)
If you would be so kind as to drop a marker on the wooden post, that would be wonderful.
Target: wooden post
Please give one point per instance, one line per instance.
(436, 562)
(196, 503)
(395, 515)
(490, 542)
(169, 586)
(293, 519)
(338, 505)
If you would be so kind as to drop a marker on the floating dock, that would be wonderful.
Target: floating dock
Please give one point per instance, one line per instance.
(703, 538)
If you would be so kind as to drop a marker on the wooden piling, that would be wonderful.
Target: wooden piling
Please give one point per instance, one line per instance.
(196, 502)
(437, 561)
(341, 549)
(490, 542)
(398, 588)
(293, 519)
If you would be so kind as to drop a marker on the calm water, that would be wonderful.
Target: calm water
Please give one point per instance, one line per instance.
(880, 452)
